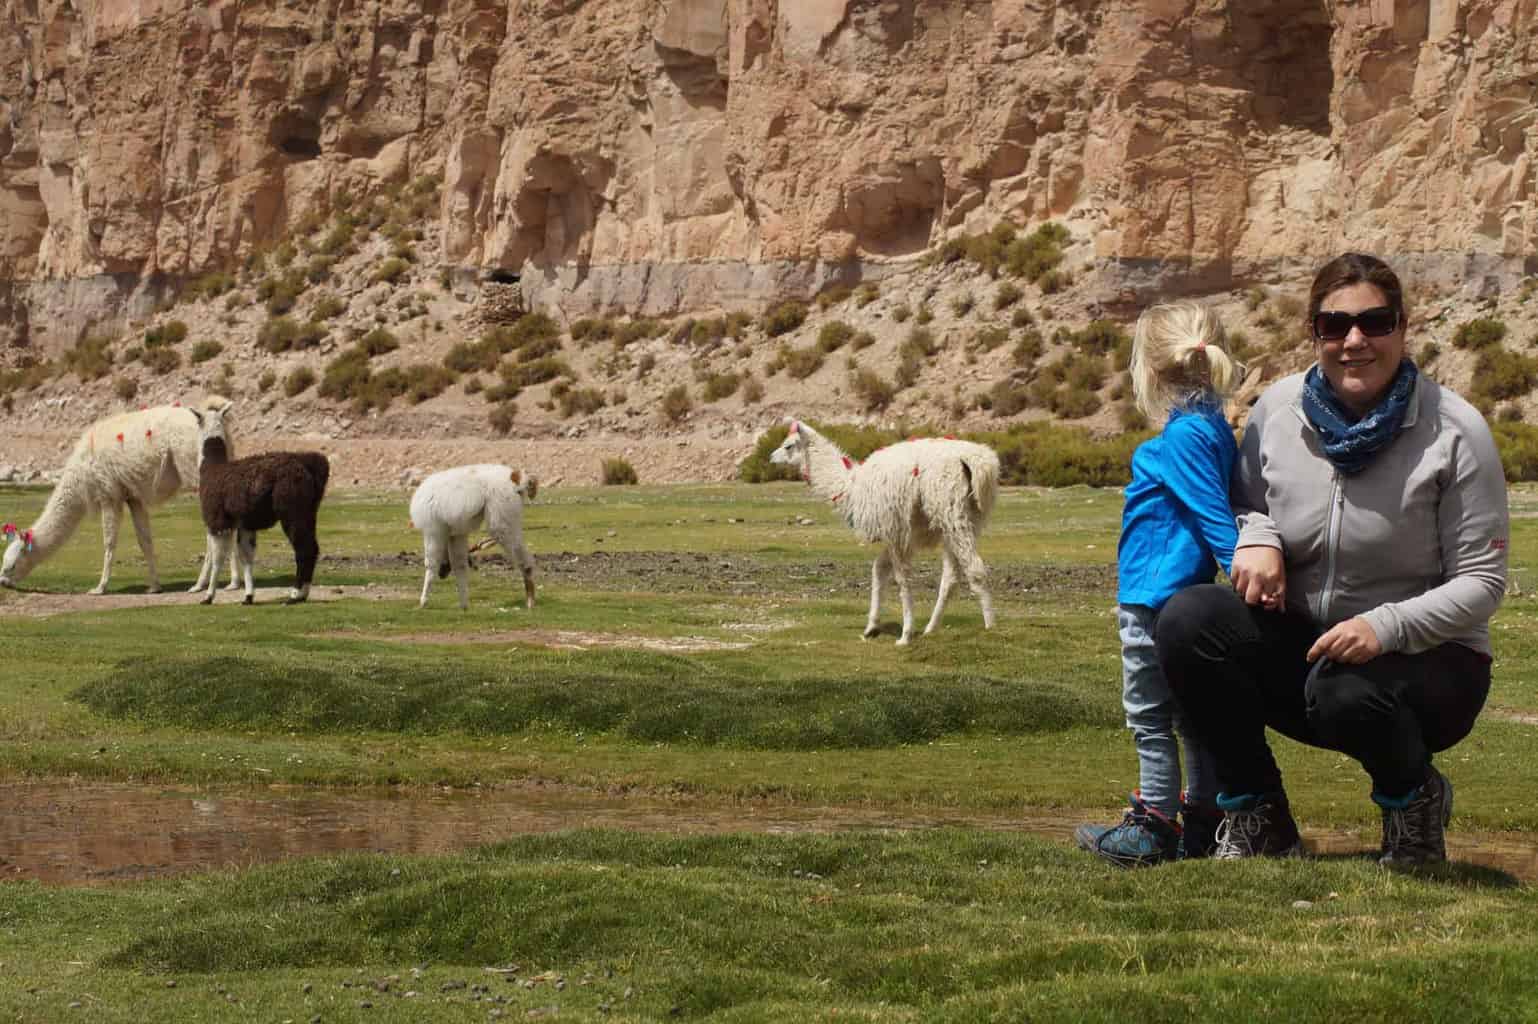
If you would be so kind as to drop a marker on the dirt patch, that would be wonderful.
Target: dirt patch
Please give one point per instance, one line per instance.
(40, 604)
(556, 639)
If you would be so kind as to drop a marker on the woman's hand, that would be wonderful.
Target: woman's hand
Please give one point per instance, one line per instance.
(1351, 643)
(1260, 577)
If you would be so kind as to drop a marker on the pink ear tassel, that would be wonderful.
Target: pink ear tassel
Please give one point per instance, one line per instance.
(847, 463)
(26, 539)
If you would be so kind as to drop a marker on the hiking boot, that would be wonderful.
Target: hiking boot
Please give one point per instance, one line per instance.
(1414, 828)
(1143, 837)
(1256, 825)
(1198, 830)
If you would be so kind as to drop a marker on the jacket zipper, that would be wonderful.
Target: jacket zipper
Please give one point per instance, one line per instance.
(1331, 544)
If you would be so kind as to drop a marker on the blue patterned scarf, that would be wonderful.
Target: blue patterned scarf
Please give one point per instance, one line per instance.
(1350, 443)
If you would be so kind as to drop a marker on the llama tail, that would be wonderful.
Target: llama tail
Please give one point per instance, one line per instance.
(982, 473)
(319, 468)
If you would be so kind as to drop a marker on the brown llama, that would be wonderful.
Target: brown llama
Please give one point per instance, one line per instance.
(243, 496)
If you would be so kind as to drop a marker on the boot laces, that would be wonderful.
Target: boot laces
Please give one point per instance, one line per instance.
(1238, 831)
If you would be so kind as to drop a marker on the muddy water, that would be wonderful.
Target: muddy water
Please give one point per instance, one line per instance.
(99, 833)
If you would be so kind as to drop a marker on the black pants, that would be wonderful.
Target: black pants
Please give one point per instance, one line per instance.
(1237, 669)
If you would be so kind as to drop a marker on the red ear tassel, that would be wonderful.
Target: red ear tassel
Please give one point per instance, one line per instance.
(915, 471)
(847, 463)
(120, 439)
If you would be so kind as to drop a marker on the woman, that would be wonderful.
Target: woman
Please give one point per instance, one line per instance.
(1371, 555)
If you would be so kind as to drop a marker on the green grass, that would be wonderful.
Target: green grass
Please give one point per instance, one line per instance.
(778, 701)
(943, 925)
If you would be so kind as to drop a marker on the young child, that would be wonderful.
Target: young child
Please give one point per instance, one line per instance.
(1176, 529)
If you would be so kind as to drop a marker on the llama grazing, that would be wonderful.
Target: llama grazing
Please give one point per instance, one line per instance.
(451, 505)
(908, 496)
(243, 496)
(138, 459)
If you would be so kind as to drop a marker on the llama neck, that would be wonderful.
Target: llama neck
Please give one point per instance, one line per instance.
(214, 452)
(66, 506)
(828, 469)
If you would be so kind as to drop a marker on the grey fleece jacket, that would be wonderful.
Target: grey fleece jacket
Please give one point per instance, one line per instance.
(1415, 543)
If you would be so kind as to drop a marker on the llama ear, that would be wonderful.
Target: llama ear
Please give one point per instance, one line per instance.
(516, 477)
(197, 416)
(795, 428)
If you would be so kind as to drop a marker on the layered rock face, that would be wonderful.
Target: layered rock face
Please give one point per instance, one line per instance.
(658, 155)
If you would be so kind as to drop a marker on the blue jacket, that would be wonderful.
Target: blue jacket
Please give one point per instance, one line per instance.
(1177, 527)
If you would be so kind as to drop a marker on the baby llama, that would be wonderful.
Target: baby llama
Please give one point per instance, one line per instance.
(451, 505)
(138, 459)
(243, 496)
(907, 496)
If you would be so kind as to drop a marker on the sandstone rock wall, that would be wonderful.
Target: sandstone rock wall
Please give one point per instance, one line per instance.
(655, 155)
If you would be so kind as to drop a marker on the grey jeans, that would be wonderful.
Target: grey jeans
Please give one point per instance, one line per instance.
(1159, 727)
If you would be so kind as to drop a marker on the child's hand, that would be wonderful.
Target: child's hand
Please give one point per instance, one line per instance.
(1260, 577)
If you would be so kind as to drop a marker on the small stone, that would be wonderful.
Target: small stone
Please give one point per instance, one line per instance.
(1302, 904)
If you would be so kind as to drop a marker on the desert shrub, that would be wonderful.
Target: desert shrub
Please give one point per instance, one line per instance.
(580, 401)
(1429, 354)
(834, 335)
(1036, 255)
(90, 358)
(924, 315)
(784, 318)
(592, 329)
(1479, 332)
(1053, 455)
(501, 417)
(986, 339)
(318, 270)
(391, 270)
(173, 332)
(1021, 317)
(205, 350)
(265, 382)
(901, 313)
(132, 354)
(866, 294)
(874, 391)
(1007, 294)
(862, 340)
(963, 304)
(281, 292)
(327, 305)
(339, 240)
(1007, 397)
(377, 342)
(1075, 403)
(676, 403)
(1100, 337)
(1052, 282)
(298, 381)
(638, 330)
(720, 385)
(1088, 372)
(346, 376)
(1500, 374)
(283, 253)
(645, 365)
(1511, 413)
(277, 334)
(752, 390)
(833, 295)
(1518, 445)
(125, 388)
(161, 361)
(465, 356)
(211, 285)
(617, 472)
(426, 380)
(535, 371)
(801, 363)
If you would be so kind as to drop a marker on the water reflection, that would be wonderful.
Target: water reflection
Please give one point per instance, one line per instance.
(99, 833)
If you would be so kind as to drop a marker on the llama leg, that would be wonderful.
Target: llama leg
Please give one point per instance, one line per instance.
(206, 568)
(235, 569)
(513, 545)
(901, 565)
(434, 554)
(141, 521)
(218, 549)
(459, 558)
(245, 561)
(977, 575)
(301, 535)
(947, 586)
(878, 572)
(111, 515)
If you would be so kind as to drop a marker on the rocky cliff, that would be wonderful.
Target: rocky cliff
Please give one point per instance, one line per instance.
(659, 155)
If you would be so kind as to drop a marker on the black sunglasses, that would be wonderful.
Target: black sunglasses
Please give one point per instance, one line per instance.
(1375, 323)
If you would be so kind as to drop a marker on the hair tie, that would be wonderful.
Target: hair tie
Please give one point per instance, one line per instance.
(1201, 346)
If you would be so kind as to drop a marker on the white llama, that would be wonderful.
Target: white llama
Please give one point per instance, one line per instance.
(138, 459)
(452, 504)
(907, 496)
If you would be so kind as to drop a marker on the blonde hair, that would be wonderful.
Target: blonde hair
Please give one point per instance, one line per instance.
(1179, 358)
